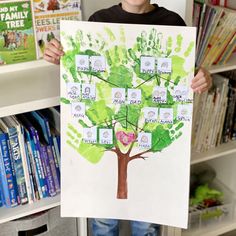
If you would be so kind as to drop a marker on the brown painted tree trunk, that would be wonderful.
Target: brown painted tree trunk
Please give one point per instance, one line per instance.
(122, 189)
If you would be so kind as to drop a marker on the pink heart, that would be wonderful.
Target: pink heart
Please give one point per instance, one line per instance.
(125, 138)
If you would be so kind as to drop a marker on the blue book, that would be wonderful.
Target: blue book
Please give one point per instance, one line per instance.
(31, 173)
(52, 116)
(59, 143)
(35, 177)
(8, 186)
(36, 151)
(50, 180)
(41, 123)
(17, 159)
(57, 150)
(53, 168)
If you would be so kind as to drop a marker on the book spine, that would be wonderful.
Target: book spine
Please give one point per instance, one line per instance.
(17, 159)
(36, 179)
(9, 192)
(31, 177)
(57, 151)
(24, 162)
(50, 138)
(13, 170)
(53, 168)
(39, 164)
(59, 144)
(234, 127)
(49, 176)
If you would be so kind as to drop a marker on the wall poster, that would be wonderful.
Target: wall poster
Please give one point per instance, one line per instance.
(126, 112)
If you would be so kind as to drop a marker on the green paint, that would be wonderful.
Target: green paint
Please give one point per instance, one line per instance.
(91, 153)
(65, 101)
(110, 34)
(179, 43)
(180, 125)
(124, 72)
(74, 130)
(189, 49)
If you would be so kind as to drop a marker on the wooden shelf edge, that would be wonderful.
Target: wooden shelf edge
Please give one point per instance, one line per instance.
(230, 65)
(29, 106)
(220, 151)
(25, 66)
(213, 230)
(8, 214)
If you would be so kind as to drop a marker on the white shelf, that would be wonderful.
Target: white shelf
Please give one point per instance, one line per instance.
(230, 65)
(28, 86)
(8, 214)
(220, 151)
(213, 230)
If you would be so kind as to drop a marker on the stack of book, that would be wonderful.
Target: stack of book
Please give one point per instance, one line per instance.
(216, 40)
(29, 157)
(214, 116)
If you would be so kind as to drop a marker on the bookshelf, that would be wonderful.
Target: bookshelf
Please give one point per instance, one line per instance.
(8, 214)
(25, 87)
(42, 90)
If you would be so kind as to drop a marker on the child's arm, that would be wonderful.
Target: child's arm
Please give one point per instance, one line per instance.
(202, 81)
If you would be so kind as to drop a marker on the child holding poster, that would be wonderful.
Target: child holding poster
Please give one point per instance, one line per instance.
(132, 12)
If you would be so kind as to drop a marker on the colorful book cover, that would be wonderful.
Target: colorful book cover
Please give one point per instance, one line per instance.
(7, 181)
(48, 14)
(17, 39)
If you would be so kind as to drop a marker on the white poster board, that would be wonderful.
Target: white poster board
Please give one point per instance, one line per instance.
(126, 112)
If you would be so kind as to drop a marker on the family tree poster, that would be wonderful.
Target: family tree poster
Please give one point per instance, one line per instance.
(126, 112)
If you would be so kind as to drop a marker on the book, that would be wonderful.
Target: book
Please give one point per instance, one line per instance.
(17, 38)
(32, 153)
(16, 158)
(216, 34)
(49, 172)
(22, 148)
(209, 115)
(9, 192)
(42, 127)
(35, 149)
(228, 124)
(53, 168)
(48, 14)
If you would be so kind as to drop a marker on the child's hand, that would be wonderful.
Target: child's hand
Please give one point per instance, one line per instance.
(202, 81)
(53, 52)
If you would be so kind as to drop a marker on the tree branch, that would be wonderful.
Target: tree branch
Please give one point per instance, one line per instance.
(130, 148)
(137, 157)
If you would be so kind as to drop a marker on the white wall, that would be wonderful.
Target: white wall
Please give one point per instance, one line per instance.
(179, 6)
